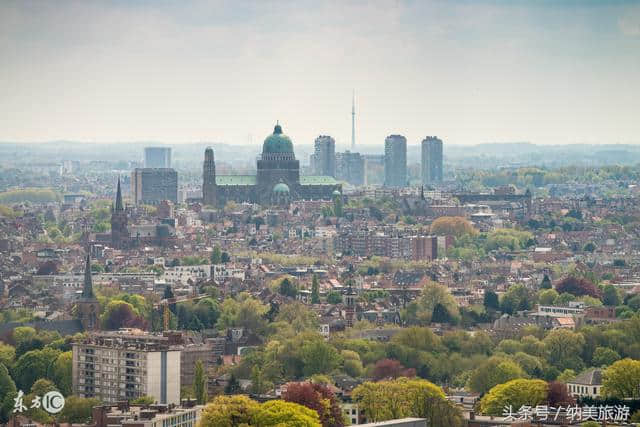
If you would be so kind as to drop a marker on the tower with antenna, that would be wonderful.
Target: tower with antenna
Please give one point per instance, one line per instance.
(353, 121)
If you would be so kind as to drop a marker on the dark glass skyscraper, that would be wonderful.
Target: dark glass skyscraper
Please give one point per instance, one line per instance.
(395, 161)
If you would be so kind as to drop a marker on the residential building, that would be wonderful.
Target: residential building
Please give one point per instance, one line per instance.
(395, 161)
(150, 186)
(586, 384)
(323, 160)
(431, 160)
(350, 168)
(125, 365)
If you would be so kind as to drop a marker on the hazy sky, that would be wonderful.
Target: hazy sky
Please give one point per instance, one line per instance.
(556, 71)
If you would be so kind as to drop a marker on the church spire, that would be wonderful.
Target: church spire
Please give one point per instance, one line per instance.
(87, 289)
(119, 206)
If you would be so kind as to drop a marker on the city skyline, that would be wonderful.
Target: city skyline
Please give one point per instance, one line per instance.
(215, 71)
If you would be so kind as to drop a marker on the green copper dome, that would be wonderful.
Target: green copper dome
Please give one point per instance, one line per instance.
(281, 187)
(277, 142)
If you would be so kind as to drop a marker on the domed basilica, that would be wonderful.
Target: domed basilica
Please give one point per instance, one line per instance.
(277, 182)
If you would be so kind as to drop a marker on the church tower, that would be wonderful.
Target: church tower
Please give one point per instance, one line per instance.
(119, 231)
(87, 306)
(209, 190)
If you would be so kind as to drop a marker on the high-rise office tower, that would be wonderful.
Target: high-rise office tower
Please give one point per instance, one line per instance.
(150, 186)
(395, 161)
(350, 168)
(209, 188)
(157, 157)
(323, 160)
(431, 160)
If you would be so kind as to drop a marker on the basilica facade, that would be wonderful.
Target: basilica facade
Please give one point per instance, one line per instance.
(277, 181)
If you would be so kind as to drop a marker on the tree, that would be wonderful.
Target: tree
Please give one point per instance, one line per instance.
(61, 372)
(287, 288)
(7, 354)
(144, 400)
(315, 290)
(225, 257)
(558, 395)
(229, 411)
(121, 314)
(33, 365)
(420, 311)
(319, 357)
(440, 314)
(334, 297)
(621, 379)
(400, 398)
(589, 247)
(319, 398)
(610, 296)
(282, 413)
(604, 356)
(491, 301)
(200, 383)
(493, 371)
(455, 226)
(391, 369)
(563, 348)
(233, 386)
(243, 311)
(216, 255)
(298, 316)
(7, 391)
(578, 287)
(517, 298)
(514, 393)
(546, 282)
(547, 297)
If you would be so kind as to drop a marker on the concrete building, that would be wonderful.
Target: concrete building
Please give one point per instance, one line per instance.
(157, 157)
(152, 185)
(431, 160)
(125, 365)
(350, 168)
(586, 384)
(395, 161)
(323, 160)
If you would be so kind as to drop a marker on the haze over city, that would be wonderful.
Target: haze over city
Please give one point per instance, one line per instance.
(546, 72)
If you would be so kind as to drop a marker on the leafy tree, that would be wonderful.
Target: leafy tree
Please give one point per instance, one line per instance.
(621, 379)
(225, 257)
(563, 348)
(610, 296)
(334, 297)
(243, 311)
(319, 357)
(440, 314)
(233, 386)
(452, 226)
(517, 298)
(491, 301)
(287, 288)
(33, 365)
(420, 311)
(121, 314)
(216, 255)
(7, 354)
(558, 395)
(297, 316)
(391, 369)
(589, 247)
(403, 397)
(61, 372)
(315, 290)
(566, 376)
(546, 282)
(282, 413)
(516, 393)
(493, 371)
(319, 398)
(604, 356)
(144, 400)
(7, 391)
(548, 297)
(578, 286)
(229, 411)
(200, 383)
